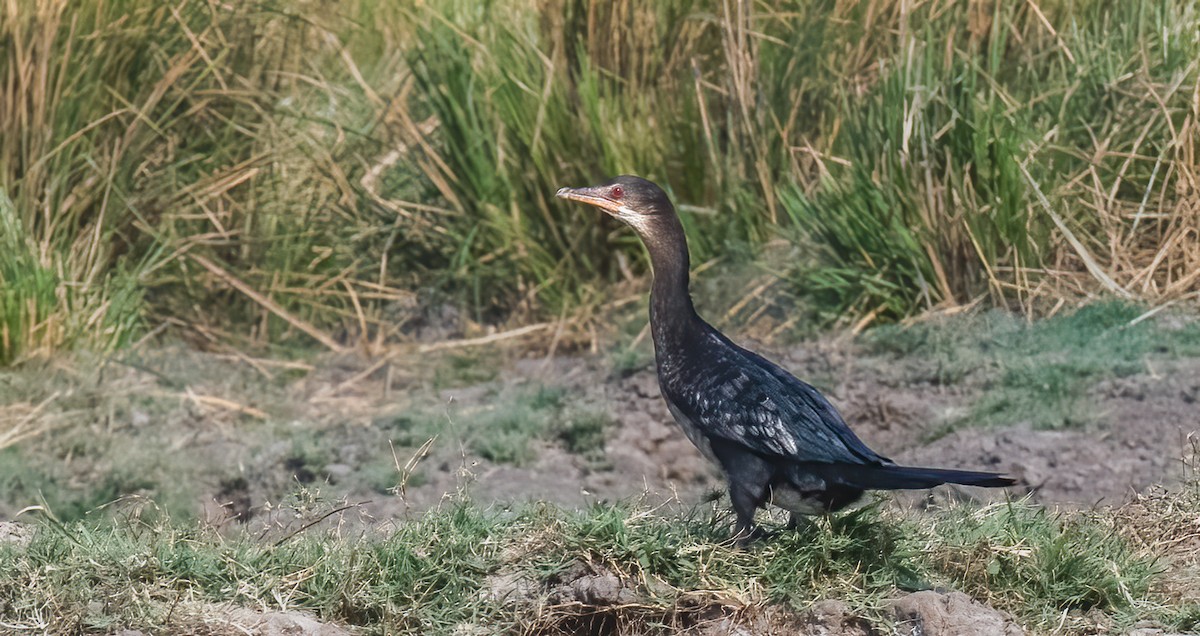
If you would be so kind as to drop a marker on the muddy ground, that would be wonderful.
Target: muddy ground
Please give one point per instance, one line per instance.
(1142, 433)
(230, 438)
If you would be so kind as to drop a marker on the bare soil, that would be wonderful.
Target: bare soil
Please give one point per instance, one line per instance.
(1141, 436)
(244, 441)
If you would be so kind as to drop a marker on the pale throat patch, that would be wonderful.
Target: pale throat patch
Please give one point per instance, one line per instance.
(639, 222)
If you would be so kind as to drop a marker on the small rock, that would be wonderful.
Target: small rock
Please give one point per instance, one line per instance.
(932, 613)
(601, 589)
(829, 609)
(504, 587)
(724, 626)
(591, 588)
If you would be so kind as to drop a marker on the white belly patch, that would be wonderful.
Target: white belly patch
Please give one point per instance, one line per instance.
(795, 501)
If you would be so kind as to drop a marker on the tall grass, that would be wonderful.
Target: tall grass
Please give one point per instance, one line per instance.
(907, 147)
(930, 206)
(62, 150)
(283, 169)
(929, 203)
(527, 101)
(138, 136)
(913, 147)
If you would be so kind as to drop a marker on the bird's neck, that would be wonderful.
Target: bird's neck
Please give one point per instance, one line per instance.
(671, 310)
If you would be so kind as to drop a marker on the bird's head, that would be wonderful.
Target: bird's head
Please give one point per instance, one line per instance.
(633, 200)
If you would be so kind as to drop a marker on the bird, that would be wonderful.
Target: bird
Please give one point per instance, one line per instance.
(778, 440)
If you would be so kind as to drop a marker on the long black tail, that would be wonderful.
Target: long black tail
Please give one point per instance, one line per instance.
(891, 477)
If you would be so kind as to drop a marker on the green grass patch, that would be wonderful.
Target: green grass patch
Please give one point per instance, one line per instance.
(1042, 565)
(42, 309)
(508, 431)
(583, 432)
(1038, 372)
(422, 579)
(464, 370)
(510, 427)
(461, 565)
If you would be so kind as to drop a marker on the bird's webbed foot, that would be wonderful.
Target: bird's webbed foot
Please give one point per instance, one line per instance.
(797, 522)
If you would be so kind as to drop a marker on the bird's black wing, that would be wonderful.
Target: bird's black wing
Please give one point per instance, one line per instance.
(735, 395)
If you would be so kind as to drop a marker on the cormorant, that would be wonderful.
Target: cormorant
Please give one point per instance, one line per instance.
(777, 438)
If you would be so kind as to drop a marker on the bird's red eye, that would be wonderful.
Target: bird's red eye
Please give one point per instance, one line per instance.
(617, 192)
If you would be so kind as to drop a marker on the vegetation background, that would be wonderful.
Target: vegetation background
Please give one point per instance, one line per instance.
(289, 169)
(284, 174)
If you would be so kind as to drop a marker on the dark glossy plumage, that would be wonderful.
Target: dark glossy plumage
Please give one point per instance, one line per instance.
(777, 438)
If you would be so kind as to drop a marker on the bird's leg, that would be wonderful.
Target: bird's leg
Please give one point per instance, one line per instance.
(749, 477)
(745, 504)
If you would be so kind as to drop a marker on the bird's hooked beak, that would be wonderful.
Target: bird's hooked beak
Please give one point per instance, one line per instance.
(591, 196)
